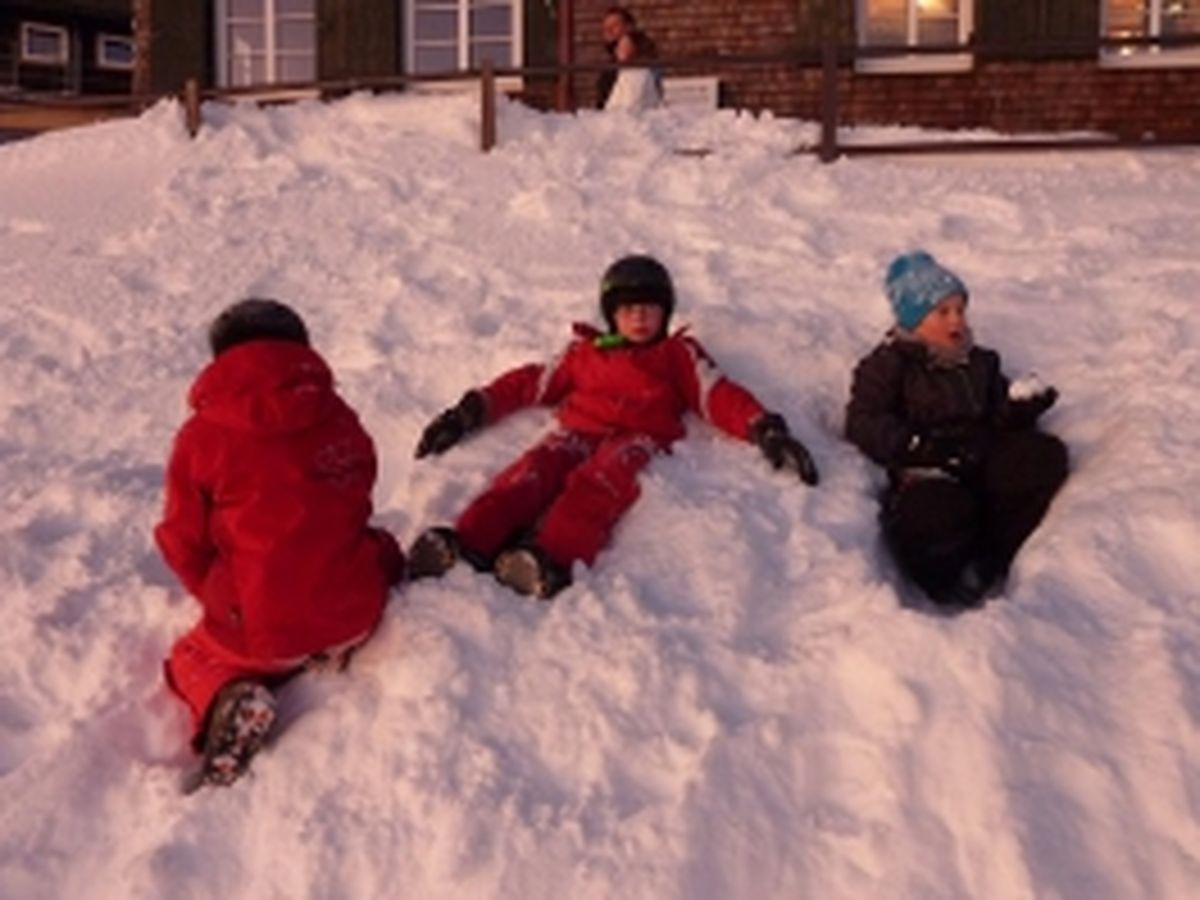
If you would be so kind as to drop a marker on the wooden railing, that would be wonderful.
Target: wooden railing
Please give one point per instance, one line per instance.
(830, 59)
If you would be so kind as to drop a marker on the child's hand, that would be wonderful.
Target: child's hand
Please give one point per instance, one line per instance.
(1028, 398)
(452, 425)
(1027, 387)
(771, 435)
(1039, 402)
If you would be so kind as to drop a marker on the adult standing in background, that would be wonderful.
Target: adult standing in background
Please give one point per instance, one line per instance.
(625, 43)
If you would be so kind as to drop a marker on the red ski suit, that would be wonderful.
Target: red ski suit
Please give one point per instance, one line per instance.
(618, 406)
(268, 495)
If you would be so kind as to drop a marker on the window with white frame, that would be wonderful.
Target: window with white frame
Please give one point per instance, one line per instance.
(453, 35)
(266, 42)
(1150, 19)
(914, 23)
(114, 51)
(44, 44)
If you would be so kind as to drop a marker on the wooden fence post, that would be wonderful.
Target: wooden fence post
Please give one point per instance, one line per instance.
(487, 124)
(143, 41)
(191, 106)
(828, 150)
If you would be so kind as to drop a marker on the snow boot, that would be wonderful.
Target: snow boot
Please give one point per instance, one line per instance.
(433, 553)
(436, 550)
(527, 570)
(242, 715)
(975, 583)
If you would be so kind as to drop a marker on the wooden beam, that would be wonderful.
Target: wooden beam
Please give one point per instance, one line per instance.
(487, 113)
(191, 106)
(143, 30)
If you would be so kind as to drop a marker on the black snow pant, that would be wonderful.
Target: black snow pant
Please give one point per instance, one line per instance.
(935, 526)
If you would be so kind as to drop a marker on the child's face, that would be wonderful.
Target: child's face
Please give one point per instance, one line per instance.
(639, 323)
(946, 324)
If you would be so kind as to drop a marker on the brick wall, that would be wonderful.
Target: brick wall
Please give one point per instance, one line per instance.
(690, 28)
(1007, 95)
(1049, 95)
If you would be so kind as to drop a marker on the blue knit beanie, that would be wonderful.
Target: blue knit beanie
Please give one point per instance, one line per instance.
(915, 284)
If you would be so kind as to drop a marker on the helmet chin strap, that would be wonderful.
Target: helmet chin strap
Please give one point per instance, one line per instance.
(609, 341)
(613, 339)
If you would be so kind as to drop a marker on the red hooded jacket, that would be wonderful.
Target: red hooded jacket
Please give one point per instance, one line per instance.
(628, 388)
(268, 497)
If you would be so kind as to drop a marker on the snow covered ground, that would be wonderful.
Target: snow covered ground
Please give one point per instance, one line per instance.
(734, 703)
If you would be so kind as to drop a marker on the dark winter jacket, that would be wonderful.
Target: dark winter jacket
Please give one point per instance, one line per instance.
(268, 498)
(901, 394)
(633, 388)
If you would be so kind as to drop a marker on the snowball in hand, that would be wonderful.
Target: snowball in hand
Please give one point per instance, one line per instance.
(1026, 386)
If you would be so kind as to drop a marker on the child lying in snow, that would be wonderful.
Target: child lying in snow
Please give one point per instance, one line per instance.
(267, 499)
(970, 476)
(620, 397)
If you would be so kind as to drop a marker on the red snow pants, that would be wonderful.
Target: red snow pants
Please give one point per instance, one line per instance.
(199, 667)
(570, 488)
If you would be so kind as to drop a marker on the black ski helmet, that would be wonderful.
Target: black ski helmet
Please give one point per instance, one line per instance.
(636, 278)
(255, 319)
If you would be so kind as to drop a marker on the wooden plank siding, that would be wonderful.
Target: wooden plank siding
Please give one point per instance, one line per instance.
(83, 23)
(358, 38)
(181, 44)
(541, 49)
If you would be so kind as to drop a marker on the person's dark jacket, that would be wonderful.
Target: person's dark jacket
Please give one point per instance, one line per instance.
(909, 409)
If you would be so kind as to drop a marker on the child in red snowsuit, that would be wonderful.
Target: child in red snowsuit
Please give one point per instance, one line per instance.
(268, 495)
(620, 398)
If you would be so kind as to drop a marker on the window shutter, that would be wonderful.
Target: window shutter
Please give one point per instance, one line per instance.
(1074, 22)
(181, 44)
(1009, 27)
(541, 34)
(1038, 28)
(357, 38)
(814, 18)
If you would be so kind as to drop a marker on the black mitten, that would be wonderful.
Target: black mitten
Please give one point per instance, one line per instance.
(1025, 411)
(770, 434)
(452, 425)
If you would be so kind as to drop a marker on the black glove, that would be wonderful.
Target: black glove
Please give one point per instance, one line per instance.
(1025, 412)
(770, 433)
(452, 425)
(958, 452)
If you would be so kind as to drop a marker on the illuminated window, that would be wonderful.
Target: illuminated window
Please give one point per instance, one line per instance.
(453, 35)
(266, 42)
(1148, 19)
(914, 23)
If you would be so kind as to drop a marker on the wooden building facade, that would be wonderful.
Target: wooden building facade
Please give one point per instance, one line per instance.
(1009, 65)
(234, 43)
(66, 46)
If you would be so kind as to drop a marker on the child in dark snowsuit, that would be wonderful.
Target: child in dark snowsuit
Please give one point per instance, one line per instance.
(970, 476)
(620, 397)
(268, 495)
